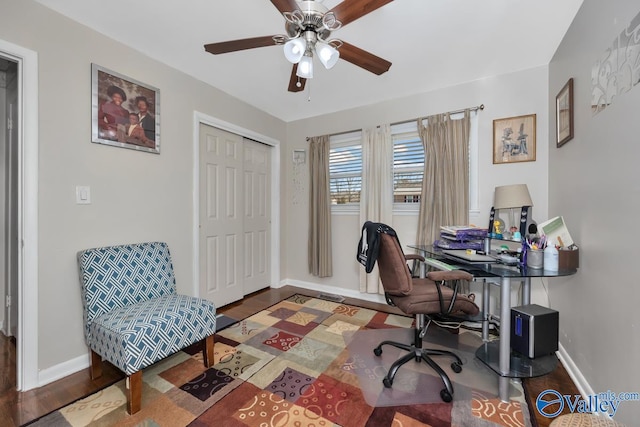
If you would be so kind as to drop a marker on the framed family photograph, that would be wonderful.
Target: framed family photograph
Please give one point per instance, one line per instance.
(124, 112)
(514, 139)
(564, 114)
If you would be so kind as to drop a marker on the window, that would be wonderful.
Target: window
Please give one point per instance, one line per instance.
(408, 166)
(345, 166)
(345, 169)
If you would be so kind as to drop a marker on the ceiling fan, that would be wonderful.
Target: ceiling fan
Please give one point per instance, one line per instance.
(308, 26)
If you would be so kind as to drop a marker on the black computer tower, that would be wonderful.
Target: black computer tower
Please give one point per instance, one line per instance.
(534, 330)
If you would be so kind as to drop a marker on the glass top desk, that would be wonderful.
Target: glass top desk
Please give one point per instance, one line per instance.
(497, 355)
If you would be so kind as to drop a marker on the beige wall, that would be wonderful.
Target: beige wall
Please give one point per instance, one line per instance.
(503, 96)
(136, 196)
(593, 183)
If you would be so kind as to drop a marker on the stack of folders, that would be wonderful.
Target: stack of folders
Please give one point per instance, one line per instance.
(461, 237)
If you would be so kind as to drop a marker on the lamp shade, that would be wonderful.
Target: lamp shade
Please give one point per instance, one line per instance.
(511, 196)
(294, 49)
(327, 54)
(305, 68)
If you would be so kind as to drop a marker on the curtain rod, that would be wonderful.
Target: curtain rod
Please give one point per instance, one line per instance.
(476, 108)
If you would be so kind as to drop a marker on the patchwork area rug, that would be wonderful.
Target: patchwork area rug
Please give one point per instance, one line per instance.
(304, 362)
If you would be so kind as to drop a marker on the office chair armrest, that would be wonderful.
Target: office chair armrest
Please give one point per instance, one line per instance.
(416, 260)
(440, 277)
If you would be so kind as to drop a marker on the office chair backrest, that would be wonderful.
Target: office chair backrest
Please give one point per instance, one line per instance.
(392, 265)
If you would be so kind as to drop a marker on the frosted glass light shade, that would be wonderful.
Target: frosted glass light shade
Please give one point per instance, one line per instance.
(294, 49)
(327, 54)
(305, 68)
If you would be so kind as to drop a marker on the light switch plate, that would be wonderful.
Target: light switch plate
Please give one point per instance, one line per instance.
(83, 195)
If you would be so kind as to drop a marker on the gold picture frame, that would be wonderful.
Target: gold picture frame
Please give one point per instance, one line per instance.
(514, 139)
(564, 114)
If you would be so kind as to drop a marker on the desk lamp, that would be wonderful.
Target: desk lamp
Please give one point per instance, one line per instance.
(513, 197)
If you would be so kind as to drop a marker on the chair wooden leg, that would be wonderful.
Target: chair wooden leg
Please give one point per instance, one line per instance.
(207, 351)
(96, 365)
(134, 396)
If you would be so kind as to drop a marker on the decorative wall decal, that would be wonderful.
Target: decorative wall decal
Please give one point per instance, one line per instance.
(629, 56)
(299, 160)
(603, 80)
(618, 70)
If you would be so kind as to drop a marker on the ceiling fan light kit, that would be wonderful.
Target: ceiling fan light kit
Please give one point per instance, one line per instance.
(294, 50)
(308, 25)
(327, 54)
(305, 68)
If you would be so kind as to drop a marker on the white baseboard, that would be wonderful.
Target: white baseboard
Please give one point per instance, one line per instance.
(350, 293)
(572, 369)
(62, 370)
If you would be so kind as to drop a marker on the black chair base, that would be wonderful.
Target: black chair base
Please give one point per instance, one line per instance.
(415, 351)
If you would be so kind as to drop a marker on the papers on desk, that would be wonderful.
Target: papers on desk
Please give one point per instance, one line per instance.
(556, 231)
(462, 232)
(461, 237)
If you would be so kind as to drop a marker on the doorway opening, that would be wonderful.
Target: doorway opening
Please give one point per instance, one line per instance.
(8, 211)
(19, 275)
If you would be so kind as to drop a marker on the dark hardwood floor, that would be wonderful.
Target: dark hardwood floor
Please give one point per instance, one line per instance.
(18, 408)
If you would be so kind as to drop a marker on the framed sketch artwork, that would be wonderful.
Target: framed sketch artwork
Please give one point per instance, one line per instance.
(124, 112)
(564, 114)
(514, 139)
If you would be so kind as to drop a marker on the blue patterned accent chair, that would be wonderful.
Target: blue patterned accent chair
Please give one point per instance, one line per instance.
(133, 316)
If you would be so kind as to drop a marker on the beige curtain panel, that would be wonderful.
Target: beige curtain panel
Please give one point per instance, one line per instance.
(376, 197)
(445, 186)
(319, 255)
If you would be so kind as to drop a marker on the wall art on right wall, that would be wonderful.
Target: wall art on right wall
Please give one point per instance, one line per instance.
(564, 114)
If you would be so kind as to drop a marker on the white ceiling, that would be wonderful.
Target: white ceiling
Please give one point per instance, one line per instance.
(431, 43)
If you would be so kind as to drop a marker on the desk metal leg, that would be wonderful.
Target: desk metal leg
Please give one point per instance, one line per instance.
(505, 338)
(526, 291)
(485, 310)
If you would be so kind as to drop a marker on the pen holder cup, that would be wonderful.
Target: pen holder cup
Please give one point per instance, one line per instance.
(535, 258)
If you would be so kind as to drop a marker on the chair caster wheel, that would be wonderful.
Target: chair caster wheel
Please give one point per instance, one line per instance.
(377, 351)
(387, 382)
(456, 367)
(445, 395)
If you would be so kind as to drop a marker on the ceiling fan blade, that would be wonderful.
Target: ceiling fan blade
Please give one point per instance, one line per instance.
(285, 5)
(350, 10)
(293, 81)
(241, 44)
(363, 59)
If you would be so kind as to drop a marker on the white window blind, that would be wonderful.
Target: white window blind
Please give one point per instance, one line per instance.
(345, 169)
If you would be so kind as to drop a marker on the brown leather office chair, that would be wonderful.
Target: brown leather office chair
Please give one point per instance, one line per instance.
(426, 298)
